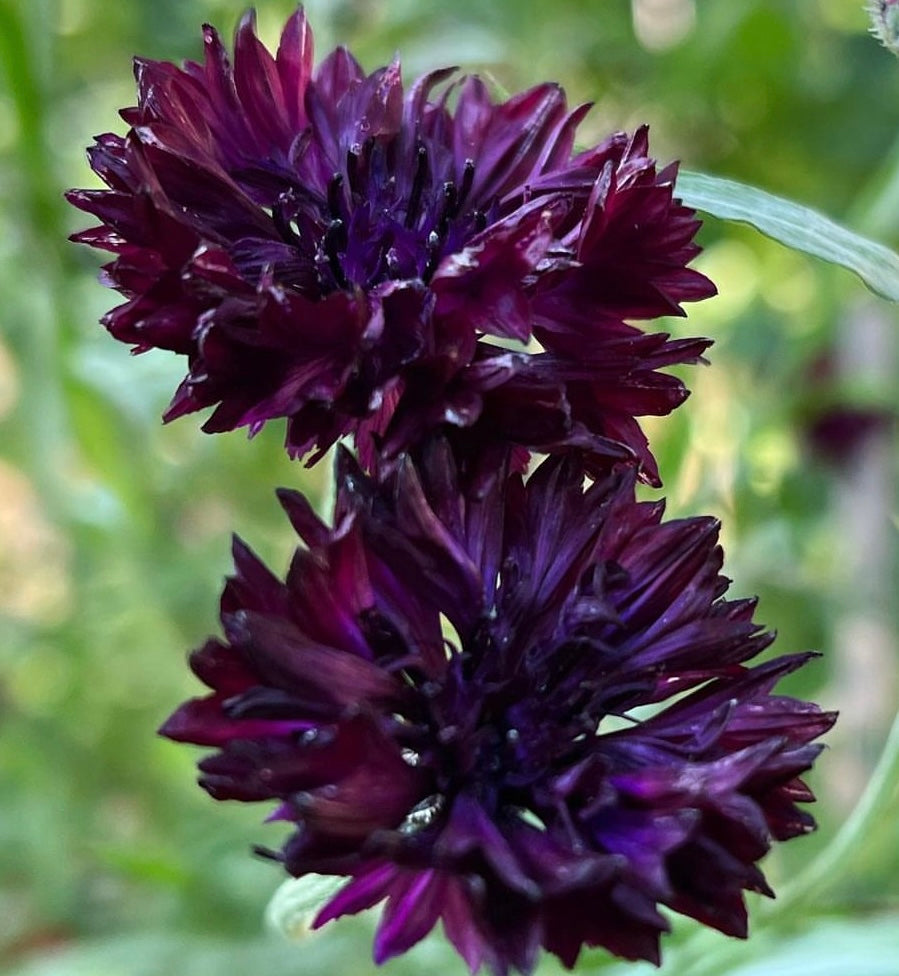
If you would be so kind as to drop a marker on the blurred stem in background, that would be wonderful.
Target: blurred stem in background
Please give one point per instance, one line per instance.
(44, 338)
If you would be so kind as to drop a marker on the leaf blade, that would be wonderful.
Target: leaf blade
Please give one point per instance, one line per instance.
(794, 225)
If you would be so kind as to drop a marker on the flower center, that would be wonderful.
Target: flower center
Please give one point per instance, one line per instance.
(376, 220)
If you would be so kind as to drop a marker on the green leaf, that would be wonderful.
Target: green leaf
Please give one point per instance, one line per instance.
(346, 948)
(796, 226)
(296, 903)
(158, 953)
(844, 947)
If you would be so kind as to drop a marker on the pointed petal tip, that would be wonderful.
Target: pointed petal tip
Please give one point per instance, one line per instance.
(239, 548)
(247, 21)
(166, 728)
(346, 467)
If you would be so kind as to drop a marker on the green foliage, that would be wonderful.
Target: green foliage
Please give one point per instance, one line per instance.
(114, 532)
(795, 226)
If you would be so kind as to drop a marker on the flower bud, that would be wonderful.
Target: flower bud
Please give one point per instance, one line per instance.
(885, 22)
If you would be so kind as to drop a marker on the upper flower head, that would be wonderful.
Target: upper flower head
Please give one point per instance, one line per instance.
(461, 698)
(327, 247)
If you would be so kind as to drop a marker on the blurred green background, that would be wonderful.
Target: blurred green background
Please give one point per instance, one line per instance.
(114, 531)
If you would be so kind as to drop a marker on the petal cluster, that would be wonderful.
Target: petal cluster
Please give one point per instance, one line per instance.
(521, 707)
(518, 705)
(325, 246)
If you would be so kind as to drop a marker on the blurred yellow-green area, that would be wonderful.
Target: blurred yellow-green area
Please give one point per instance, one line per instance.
(115, 531)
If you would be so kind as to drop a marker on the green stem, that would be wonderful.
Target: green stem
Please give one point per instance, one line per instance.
(825, 870)
(41, 330)
(704, 954)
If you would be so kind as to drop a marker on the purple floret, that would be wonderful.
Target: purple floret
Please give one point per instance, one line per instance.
(518, 706)
(325, 246)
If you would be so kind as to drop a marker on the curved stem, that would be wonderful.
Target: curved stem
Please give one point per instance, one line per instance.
(825, 869)
(700, 957)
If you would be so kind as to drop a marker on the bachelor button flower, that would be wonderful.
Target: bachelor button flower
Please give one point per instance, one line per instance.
(461, 697)
(325, 247)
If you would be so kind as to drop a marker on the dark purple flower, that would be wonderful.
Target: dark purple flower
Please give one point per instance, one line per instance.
(325, 247)
(461, 697)
(834, 424)
(837, 433)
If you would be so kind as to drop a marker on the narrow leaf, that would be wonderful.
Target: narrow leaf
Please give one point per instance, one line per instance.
(796, 226)
(297, 902)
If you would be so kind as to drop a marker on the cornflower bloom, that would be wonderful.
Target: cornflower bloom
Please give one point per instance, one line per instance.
(522, 708)
(325, 246)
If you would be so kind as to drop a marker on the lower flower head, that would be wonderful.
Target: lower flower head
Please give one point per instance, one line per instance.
(521, 707)
(326, 246)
